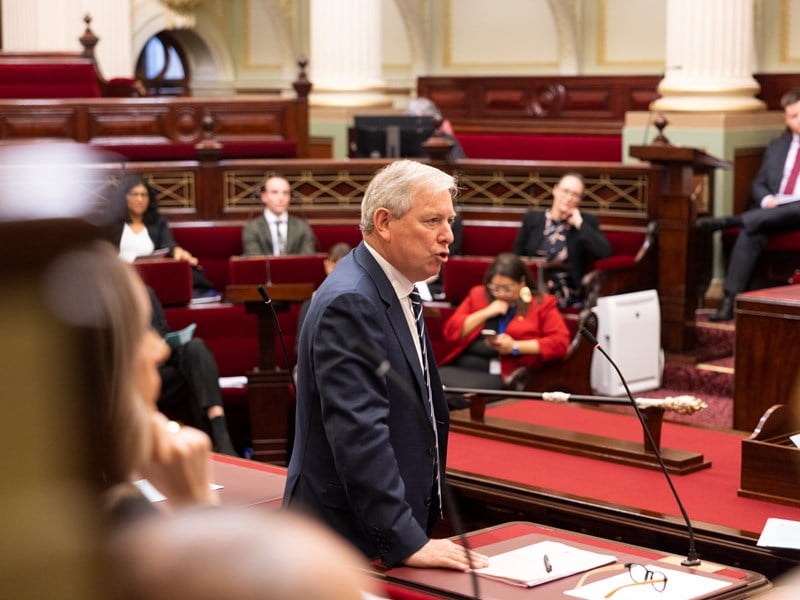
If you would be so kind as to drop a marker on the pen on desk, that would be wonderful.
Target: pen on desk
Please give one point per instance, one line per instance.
(547, 566)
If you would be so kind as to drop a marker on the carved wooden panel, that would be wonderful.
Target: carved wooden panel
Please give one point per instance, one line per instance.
(545, 97)
(20, 122)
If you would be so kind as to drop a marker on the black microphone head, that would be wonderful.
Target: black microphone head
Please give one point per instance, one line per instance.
(587, 335)
(263, 293)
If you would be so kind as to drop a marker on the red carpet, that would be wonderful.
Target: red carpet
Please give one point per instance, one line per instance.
(708, 495)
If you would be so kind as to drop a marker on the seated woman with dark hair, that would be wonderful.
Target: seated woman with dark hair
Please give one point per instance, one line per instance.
(500, 326)
(138, 229)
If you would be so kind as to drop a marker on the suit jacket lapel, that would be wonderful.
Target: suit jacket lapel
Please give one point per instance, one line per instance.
(397, 317)
(266, 237)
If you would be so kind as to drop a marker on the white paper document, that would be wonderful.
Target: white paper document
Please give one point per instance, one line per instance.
(528, 566)
(152, 493)
(233, 381)
(780, 533)
(786, 199)
(681, 585)
(176, 339)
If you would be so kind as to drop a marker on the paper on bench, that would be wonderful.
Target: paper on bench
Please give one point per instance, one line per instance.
(233, 381)
(152, 493)
(780, 533)
(681, 585)
(525, 566)
(176, 339)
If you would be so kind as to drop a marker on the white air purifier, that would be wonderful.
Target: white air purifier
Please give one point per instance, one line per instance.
(629, 330)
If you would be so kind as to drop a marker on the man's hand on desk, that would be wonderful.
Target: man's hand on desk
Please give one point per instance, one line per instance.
(445, 554)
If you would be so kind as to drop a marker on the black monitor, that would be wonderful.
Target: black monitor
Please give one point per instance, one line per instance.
(391, 136)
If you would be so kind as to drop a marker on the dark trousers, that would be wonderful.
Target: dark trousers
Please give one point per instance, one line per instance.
(190, 383)
(757, 225)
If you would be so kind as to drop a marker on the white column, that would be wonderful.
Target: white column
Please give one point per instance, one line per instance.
(21, 25)
(45, 25)
(346, 62)
(710, 57)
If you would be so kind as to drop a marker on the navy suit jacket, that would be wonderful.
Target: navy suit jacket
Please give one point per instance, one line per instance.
(767, 182)
(363, 452)
(768, 179)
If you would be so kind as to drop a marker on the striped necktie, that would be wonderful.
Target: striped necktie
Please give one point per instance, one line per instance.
(416, 305)
(281, 238)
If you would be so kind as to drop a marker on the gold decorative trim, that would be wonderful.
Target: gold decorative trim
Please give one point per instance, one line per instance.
(785, 19)
(602, 36)
(447, 54)
(533, 190)
(174, 189)
(495, 188)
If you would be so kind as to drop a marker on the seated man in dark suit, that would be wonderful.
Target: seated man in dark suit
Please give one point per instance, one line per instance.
(775, 194)
(276, 232)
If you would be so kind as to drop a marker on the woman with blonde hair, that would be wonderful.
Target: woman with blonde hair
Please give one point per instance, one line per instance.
(93, 289)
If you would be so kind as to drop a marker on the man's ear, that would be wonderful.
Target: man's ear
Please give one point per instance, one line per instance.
(381, 220)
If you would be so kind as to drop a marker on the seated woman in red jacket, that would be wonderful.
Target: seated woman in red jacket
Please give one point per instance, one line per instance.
(500, 326)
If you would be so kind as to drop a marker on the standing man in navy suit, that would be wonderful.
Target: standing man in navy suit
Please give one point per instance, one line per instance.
(369, 455)
(775, 194)
(276, 232)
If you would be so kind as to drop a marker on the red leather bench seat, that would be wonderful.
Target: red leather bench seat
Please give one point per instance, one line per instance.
(330, 234)
(44, 80)
(213, 244)
(170, 279)
(524, 146)
(488, 239)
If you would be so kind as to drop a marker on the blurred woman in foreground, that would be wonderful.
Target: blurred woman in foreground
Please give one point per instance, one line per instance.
(132, 440)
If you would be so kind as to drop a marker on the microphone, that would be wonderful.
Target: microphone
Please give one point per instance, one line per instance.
(268, 301)
(691, 559)
(384, 368)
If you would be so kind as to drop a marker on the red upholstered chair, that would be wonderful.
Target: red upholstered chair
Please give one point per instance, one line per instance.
(777, 263)
(632, 265)
(232, 336)
(53, 78)
(170, 279)
(330, 234)
(247, 270)
(213, 244)
(297, 268)
(461, 273)
(488, 238)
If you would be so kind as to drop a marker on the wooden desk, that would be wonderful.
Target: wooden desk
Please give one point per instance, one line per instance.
(269, 393)
(496, 481)
(767, 353)
(494, 540)
(248, 483)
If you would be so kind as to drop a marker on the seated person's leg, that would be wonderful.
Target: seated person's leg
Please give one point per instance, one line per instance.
(199, 369)
(742, 263)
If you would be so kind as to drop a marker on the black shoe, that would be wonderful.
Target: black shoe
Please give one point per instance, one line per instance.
(219, 437)
(716, 223)
(725, 310)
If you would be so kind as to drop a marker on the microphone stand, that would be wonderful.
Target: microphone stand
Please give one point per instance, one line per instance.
(268, 301)
(384, 369)
(691, 559)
